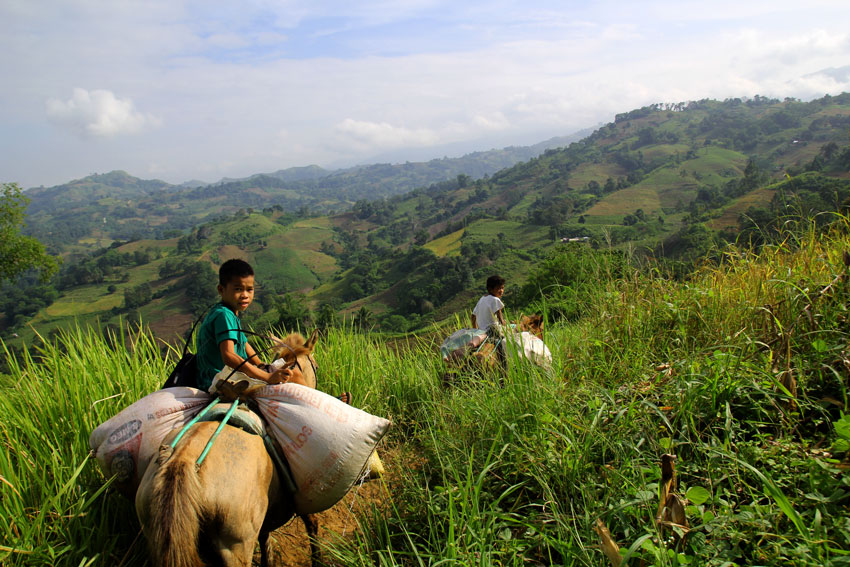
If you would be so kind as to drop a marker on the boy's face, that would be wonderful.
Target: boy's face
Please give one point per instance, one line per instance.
(497, 291)
(238, 293)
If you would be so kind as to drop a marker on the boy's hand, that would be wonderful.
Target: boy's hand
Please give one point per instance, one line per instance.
(281, 376)
(277, 377)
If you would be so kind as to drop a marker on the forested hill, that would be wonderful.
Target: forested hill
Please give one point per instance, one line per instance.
(671, 181)
(88, 213)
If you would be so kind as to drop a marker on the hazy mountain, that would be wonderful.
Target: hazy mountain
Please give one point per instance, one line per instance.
(117, 206)
(668, 179)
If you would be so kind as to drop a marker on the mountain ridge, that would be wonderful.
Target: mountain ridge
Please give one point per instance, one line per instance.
(665, 180)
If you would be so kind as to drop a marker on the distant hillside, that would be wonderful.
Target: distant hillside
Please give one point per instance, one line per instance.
(94, 211)
(665, 180)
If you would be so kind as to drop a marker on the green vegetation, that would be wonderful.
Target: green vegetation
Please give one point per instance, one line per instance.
(92, 212)
(19, 253)
(701, 313)
(740, 370)
(668, 182)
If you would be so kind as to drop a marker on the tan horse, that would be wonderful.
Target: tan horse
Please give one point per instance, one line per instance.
(214, 514)
(488, 359)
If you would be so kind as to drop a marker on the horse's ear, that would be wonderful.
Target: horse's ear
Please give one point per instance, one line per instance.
(311, 342)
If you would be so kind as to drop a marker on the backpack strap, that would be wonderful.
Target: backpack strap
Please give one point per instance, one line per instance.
(192, 330)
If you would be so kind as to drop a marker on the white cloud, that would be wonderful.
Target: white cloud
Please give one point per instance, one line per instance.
(369, 136)
(99, 114)
(492, 122)
(269, 84)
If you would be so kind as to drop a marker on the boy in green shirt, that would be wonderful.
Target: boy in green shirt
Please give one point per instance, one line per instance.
(221, 341)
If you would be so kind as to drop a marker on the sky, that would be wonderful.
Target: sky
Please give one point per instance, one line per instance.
(184, 90)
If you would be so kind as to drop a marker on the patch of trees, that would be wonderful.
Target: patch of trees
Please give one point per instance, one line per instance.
(563, 283)
(103, 265)
(551, 211)
(430, 281)
(363, 280)
(637, 113)
(193, 242)
(19, 253)
(293, 312)
(398, 232)
(830, 159)
(22, 299)
(138, 295)
(648, 135)
(809, 197)
(380, 211)
(433, 282)
(689, 244)
(754, 177)
(350, 243)
(632, 162)
(199, 284)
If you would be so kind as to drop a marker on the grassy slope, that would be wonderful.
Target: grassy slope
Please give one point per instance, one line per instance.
(446, 245)
(485, 473)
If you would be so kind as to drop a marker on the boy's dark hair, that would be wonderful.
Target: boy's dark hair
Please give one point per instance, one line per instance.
(234, 268)
(495, 281)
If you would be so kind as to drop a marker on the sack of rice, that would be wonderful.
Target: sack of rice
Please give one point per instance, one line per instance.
(125, 443)
(326, 442)
(461, 342)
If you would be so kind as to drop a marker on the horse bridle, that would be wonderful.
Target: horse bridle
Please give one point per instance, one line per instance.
(277, 343)
(313, 365)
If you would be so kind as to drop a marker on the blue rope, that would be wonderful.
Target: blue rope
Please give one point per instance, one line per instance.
(217, 431)
(193, 422)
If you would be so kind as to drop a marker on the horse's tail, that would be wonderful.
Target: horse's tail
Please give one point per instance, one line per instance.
(176, 513)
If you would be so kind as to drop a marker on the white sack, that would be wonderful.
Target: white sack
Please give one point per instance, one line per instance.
(125, 443)
(531, 348)
(326, 442)
(227, 374)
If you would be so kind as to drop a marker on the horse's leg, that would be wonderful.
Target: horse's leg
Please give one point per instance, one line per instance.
(312, 527)
(238, 554)
(311, 524)
(263, 540)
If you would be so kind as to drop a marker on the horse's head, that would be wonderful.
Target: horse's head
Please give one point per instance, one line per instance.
(533, 324)
(295, 348)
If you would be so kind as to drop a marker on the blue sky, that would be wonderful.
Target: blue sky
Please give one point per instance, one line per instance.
(180, 90)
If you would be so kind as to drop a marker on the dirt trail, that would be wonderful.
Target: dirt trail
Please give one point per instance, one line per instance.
(289, 544)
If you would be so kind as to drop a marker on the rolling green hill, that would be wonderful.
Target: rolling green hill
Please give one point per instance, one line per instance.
(90, 213)
(665, 180)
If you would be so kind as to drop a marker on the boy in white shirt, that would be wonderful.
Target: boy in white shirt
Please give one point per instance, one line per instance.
(490, 308)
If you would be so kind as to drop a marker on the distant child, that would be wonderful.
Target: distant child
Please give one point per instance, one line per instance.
(221, 341)
(490, 308)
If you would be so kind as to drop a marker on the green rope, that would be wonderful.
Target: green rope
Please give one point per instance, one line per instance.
(217, 431)
(194, 421)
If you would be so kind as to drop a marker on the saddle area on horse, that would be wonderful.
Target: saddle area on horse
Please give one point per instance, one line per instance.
(464, 342)
(325, 444)
(250, 421)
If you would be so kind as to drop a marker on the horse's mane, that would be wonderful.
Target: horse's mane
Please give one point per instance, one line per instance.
(292, 346)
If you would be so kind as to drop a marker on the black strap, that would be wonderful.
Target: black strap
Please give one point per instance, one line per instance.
(274, 344)
(256, 352)
(192, 330)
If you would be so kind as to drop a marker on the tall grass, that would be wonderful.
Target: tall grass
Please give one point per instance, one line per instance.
(741, 371)
(519, 472)
(55, 506)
